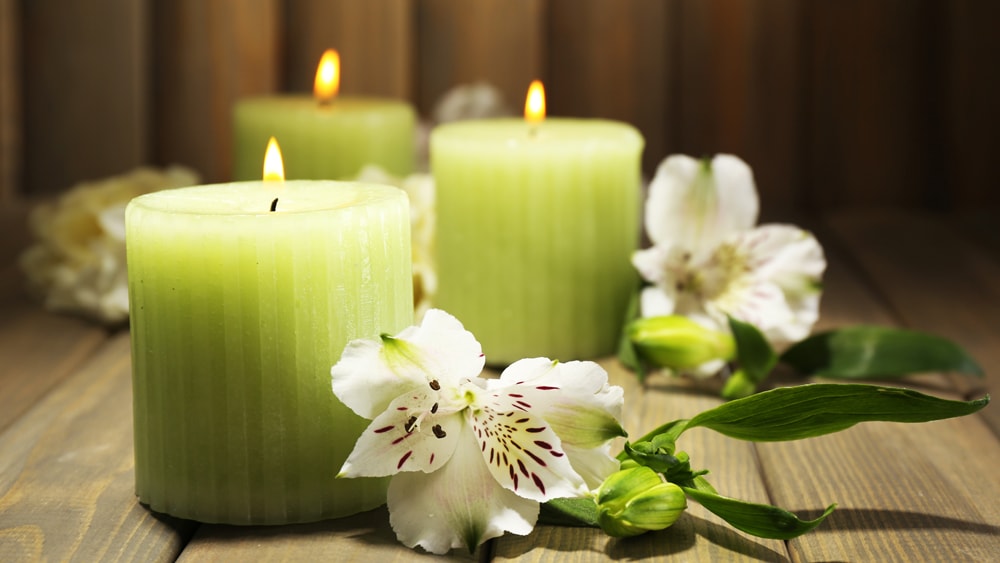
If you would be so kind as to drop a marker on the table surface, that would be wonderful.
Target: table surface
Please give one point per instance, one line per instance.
(926, 492)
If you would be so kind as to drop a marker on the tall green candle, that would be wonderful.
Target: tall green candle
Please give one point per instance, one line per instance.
(237, 315)
(536, 224)
(324, 136)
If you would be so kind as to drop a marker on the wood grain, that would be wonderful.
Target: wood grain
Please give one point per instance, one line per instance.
(739, 83)
(613, 60)
(973, 85)
(867, 118)
(898, 487)
(10, 101)
(496, 41)
(364, 537)
(935, 280)
(86, 99)
(208, 55)
(39, 349)
(376, 40)
(66, 484)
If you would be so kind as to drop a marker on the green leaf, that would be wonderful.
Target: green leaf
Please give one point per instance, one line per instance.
(663, 434)
(804, 411)
(753, 353)
(871, 351)
(760, 520)
(579, 512)
(627, 354)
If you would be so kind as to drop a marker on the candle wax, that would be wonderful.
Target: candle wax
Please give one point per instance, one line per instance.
(330, 141)
(237, 315)
(536, 226)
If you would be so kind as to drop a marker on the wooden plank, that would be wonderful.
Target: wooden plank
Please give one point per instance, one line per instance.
(866, 116)
(85, 98)
(28, 337)
(66, 484)
(898, 486)
(973, 86)
(496, 41)
(698, 535)
(364, 537)
(739, 89)
(376, 40)
(10, 101)
(935, 281)
(208, 55)
(613, 60)
(894, 493)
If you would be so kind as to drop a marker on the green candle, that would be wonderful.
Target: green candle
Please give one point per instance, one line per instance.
(324, 136)
(536, 224)
(238, 313)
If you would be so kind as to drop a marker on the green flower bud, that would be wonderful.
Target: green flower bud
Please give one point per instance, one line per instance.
(636, 500)
(739, 385)
(678, 342)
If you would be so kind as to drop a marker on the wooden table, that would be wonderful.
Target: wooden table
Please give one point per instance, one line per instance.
(925, 492)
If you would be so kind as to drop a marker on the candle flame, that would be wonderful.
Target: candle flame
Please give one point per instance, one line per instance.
(274, 167)
(534, 104)
(327, 82)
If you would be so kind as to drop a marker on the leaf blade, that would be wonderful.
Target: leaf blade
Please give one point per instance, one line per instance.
(806, 411)
(872, 351)
(761, 520)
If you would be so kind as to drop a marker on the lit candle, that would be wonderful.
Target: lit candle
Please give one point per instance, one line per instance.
(242, 298)
(537, 219)
(325, 136)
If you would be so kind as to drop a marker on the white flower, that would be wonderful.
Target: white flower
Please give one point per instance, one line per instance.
(478, 100)
(78, 261)
(420, 189)
(472, 458)
(709, 261)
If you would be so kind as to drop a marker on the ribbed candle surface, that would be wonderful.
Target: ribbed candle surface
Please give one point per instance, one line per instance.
(324, 142)
(237, 315)
(536, 226)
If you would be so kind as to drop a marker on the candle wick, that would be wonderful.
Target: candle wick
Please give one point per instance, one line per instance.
(274, 205)
(533, 131)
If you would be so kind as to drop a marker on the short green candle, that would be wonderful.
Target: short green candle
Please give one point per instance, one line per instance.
(237, 315)
(330, 141)
(536, 226)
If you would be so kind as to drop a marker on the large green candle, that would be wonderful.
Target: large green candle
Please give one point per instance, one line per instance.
(237, 315)
(324, 136)
(536, 224)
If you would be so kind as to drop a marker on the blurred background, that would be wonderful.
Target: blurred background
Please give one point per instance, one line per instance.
(848, 103)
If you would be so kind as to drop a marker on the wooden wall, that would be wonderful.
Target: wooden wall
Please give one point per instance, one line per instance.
(834, 104)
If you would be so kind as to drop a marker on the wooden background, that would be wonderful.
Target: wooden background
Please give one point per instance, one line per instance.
(849, 103)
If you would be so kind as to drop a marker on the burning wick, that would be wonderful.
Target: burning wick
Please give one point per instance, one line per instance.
(274, 205)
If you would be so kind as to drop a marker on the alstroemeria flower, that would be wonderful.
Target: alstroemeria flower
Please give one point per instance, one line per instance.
(472, 457)
(77, 262)
(709, 261)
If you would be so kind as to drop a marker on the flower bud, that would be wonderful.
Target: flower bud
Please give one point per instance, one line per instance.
(636, 500)
(679, 343)
(739, 385)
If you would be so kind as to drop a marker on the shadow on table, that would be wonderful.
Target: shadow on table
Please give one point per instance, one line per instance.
(880, 518)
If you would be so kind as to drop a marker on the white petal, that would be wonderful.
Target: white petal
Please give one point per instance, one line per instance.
(460, 505)
(372, 373)
(593, 464)
(786, 255)
(450, 353)
(655, 301)
(696, 208)
(787, 264)
(413, 434)
(573, 397)
(520, 448)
